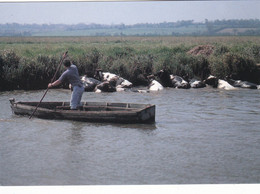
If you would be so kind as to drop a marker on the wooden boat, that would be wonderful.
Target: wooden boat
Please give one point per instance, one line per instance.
(89, 111)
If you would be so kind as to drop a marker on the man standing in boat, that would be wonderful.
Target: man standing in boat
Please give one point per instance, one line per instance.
(71, 75)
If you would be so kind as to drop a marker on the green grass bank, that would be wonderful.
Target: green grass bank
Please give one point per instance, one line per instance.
(30, 62)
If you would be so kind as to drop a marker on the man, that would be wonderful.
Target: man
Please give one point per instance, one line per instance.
(71, 75)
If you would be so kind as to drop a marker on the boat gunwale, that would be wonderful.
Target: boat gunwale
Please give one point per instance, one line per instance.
(26, 106)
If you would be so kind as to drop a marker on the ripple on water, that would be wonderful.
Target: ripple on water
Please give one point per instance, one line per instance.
(200, 136)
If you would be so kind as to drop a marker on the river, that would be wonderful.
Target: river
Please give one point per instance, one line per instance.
(201, 136)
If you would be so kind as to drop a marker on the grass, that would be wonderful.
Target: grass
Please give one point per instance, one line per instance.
(29, 62)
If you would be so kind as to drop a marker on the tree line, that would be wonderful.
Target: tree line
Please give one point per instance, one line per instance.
(217, 27)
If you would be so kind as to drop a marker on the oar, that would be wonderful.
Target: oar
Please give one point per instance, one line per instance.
(64, 56)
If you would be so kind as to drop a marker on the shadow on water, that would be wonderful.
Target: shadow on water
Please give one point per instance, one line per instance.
(77, 125)
(76, 136)
(79, 130)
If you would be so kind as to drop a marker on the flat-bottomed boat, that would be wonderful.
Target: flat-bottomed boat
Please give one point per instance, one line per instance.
(89, 111)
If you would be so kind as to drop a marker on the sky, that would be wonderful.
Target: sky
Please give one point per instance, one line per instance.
(126, 12)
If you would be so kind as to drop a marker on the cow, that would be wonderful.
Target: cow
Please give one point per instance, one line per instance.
(154, 85)
(179, 82)
(196, 84)
(89, 83)
(168, 80)
(222, 84)
(242, 84)
(218, 83)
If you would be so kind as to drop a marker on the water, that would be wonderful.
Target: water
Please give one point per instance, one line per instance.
(201, 136)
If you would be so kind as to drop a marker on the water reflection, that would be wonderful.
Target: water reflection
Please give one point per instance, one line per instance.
(76, 136)
(78, 124)
(78, 129)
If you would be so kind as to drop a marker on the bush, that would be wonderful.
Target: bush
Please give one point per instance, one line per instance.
(220, 50)
(133, 68)
(176, 63)
(253, 52)
(22, 73)
(2, 79)
(235, 66)
(130, 62)
(119, 52)
(88, 62)
(9, 69)
(200, 67)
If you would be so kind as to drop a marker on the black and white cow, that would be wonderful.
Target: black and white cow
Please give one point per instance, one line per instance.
(218, 83)
(211, 81)
(196, 84)
(120, 83)
(168, 80)
(89, 83)
(165, 78)
(179, 82)
(105, 86)
(222, 84)
(154, 84)
(242, 84)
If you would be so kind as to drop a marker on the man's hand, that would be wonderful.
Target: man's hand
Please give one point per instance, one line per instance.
(50, 85)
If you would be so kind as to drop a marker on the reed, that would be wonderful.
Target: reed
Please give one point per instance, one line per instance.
(29, 62)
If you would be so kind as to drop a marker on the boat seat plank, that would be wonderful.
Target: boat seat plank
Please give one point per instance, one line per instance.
(97, 108)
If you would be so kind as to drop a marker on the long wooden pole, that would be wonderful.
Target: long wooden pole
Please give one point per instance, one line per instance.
(64, 56)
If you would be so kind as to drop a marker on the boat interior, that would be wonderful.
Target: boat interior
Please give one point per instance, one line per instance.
(89, 106)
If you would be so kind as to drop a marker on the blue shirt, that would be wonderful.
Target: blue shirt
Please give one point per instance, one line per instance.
(71, 75)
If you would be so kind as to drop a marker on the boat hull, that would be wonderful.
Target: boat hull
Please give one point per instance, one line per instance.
(88, 112)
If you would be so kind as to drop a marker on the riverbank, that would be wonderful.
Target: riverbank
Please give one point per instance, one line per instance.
(29, 63)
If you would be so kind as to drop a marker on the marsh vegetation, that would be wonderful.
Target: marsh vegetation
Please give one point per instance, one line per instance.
(30, 62)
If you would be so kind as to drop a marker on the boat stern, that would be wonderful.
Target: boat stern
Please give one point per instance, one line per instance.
(12, 101)
(148, 115)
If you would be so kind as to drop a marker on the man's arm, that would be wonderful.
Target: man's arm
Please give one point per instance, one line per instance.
(56, 83)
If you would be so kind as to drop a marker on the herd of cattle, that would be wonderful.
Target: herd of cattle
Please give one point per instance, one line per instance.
(109, 82)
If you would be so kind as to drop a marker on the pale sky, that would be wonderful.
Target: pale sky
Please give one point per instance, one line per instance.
(126, 12)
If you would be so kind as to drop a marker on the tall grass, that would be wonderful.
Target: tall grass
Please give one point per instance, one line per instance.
(30, 63)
